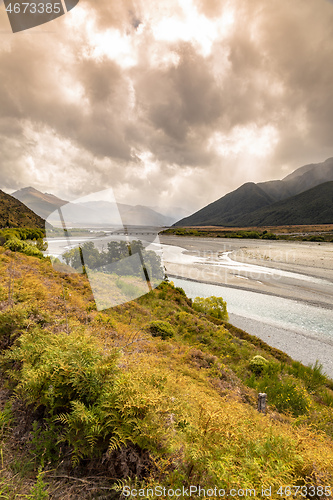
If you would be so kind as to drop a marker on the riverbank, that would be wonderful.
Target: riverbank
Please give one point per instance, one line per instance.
(281, 292)
(300, 346)
(315, 232)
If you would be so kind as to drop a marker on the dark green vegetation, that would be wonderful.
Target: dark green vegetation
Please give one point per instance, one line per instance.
(227, 210)
(150, 392)
(25, 240)
(272, 234)
(303, 197)
(14, 214)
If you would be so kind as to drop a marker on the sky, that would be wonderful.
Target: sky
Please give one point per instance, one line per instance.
(168, 102)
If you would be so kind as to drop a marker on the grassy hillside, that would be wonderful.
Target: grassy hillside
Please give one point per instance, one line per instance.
(152, 392)
(13, 213)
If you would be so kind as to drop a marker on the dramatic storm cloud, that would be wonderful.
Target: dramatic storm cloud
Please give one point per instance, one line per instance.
(171, 102)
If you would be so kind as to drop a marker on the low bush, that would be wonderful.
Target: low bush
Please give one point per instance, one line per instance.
(214, 306)
(161, 329)
(16, 245)
(258, 364)
(312, 376)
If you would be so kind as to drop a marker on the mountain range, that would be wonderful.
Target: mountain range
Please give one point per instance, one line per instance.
(91, 212)
(302, 197)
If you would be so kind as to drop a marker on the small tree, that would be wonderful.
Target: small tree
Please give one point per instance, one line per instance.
(214, 306)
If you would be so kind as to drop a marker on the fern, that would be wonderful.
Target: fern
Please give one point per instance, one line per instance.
(57, 369)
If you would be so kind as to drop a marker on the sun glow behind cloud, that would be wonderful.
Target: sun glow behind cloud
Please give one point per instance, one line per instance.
(172, 23)
(149, 164)
(249, 140)
(110, 42)
(193, 27)
(116, 46)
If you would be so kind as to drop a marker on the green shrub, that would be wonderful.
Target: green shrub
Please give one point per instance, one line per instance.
(161, 329)
(180, 290)
(16, 245)
(22, 233)
(288, 396)
(258, 364)
(270, 236)
(316, 238)
(214, 306)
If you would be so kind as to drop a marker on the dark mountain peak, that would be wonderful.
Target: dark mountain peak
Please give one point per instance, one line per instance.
(314, 206)
(236, 208)
(309, 176)
(246, 198)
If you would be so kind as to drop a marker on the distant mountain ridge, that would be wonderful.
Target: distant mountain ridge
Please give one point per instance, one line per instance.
(14, 213)
(275, 201)
(300, 180)
(43, 204)
(91, 212)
